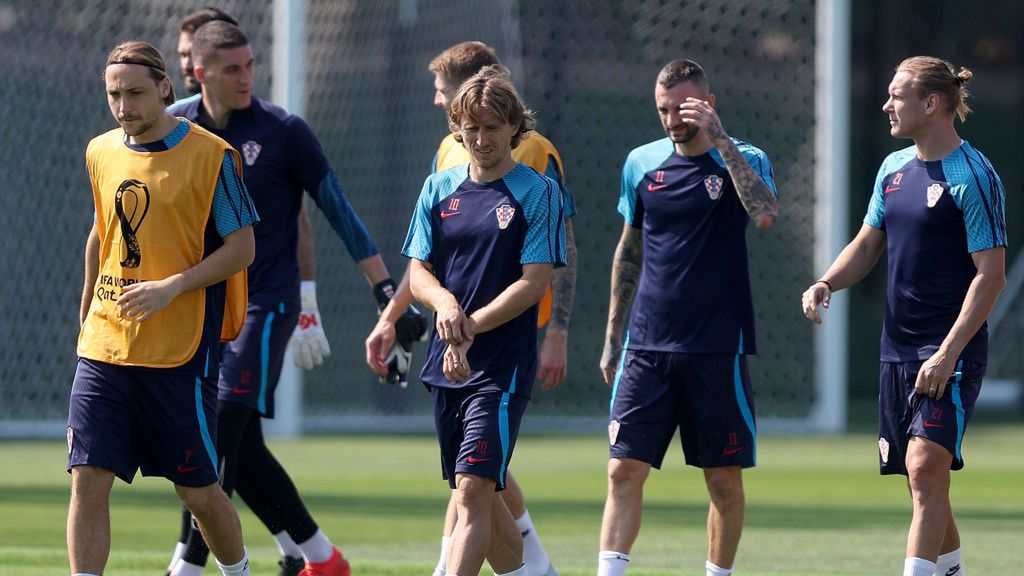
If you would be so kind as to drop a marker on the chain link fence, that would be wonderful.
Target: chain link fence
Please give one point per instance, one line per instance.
(588, 68)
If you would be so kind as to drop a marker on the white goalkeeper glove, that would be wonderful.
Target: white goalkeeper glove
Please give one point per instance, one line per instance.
(309, 343)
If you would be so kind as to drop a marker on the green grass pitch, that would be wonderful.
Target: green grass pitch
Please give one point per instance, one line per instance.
(815, 506)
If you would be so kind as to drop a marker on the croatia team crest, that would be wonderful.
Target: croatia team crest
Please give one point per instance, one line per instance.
(505, 212)
(250, 150)
(714, 186)
(883, 450)
(934, 192)
(613, 431)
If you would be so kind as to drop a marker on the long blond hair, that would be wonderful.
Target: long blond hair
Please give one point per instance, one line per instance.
(937, 76)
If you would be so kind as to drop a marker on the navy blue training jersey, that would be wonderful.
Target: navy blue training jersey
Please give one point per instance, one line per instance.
(281, 158)
(934, 215)
(477, 236)
(694, 292)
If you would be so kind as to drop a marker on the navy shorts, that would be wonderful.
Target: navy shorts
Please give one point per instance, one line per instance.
(903, 413)
(706, 396)
(124, 419)
(250, 366)
(477, 431)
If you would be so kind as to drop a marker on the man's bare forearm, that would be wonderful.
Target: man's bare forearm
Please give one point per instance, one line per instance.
(563, 284)
(626, 268)
(758, 200)
(92, 267)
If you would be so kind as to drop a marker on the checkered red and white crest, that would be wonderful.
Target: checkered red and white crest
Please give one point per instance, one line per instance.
(713, 184)
(251, 150)
(505, 212)
(934, 192)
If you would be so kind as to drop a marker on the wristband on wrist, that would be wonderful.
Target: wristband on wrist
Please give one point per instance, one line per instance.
(826, 283)
(383, 292)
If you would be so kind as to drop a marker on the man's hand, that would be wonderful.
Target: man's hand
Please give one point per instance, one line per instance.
(610, 358)
(142, 300)
(455, 362)
(453, 325)
(817, 294)
(309, 343)
(553, 358)
(700, 113)
(934, 375)
(378, 346)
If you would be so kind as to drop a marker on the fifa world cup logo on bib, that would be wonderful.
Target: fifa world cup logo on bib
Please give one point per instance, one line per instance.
(131, 203)
(713, 184)
(505, 212)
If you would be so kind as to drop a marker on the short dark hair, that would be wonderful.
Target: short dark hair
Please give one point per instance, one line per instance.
(216, 35)
(457, 63)
(679, 71)
(193, 21)
(143, 54)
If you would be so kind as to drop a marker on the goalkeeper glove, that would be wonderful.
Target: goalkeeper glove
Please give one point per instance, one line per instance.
(309, 343)
(410, 327)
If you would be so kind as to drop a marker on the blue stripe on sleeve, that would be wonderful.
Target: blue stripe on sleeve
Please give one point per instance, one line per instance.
(980, 195)
(232, 206)
(554, 172)
(419, 241)
(541, 201)
(204, 428)
(346, 223)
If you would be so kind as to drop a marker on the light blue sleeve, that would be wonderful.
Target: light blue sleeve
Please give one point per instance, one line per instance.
(545, 217)
(418, 242)
(759, 161)
(631, 176)
(876, 207)
(232, 206)
(979, 193)
(554, 172)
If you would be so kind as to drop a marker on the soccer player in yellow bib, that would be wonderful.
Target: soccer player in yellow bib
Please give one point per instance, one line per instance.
(451, 69)
(165, 282)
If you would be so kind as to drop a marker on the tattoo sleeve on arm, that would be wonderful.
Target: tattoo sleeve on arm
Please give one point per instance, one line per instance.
(757, 198)
(563, 284)
(626, 269)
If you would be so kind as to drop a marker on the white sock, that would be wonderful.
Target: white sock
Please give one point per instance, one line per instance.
(239, 569)
(710, 569)
(918, 567)
(612, 563)
(318, 548)
(949, 564)
(179, 549)
(445, 543)
(286, 546)
(521, 571)
(182, 568)
(534, 555)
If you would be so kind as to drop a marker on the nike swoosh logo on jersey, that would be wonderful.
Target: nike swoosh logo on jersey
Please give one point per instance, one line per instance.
(447, 214)
(928, 424)
(183, 470)
(652, 187)
(889, 189)
(474, 460)
(731, 451)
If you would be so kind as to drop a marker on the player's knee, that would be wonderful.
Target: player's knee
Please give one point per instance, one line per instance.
(90, 482)
(627, 474)
(725, 485)
(474, 492)
(202, 502)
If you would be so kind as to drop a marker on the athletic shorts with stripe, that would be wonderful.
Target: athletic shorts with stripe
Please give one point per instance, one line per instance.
(251, 365)
(903, 413)
(124, 419)
(706, 396)
(477, 431)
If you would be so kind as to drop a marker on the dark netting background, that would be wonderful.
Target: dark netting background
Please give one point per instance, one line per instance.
(588, 68)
